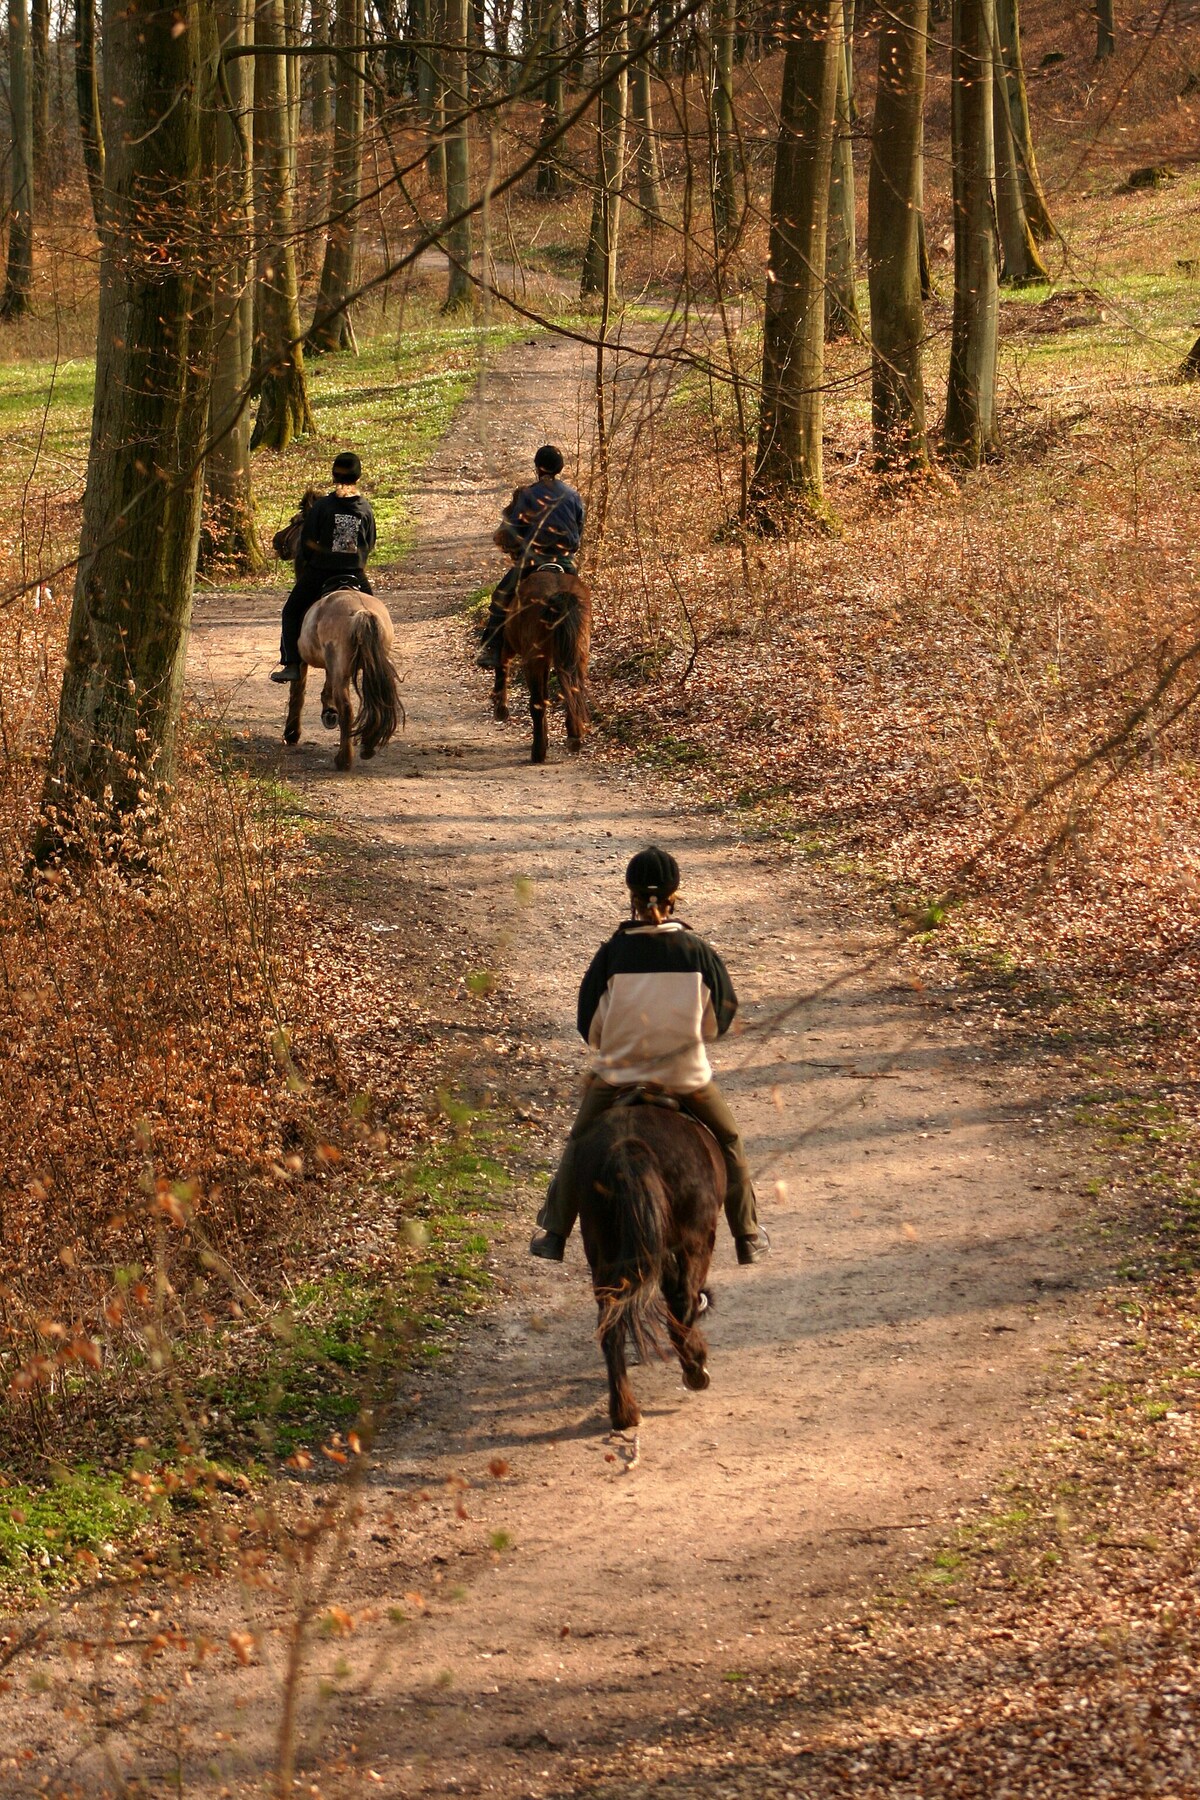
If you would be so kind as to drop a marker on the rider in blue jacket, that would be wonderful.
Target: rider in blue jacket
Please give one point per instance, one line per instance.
(541, 523)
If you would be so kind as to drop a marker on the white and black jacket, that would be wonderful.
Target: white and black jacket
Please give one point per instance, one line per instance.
(652, 997)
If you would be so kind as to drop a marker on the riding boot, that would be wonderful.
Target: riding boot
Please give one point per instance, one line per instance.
(709, 1105)
(560, 1209)
(493, 634)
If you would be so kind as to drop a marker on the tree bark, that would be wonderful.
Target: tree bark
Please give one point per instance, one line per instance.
(726, 214)
(18, 284)
(970, 427)
(459, 289)
(841, 302)
(230, 535)
(331, 321)
(1106, 30)
(1008, 27)
(600, 258)
(641, 95)
(789, 470)
(549, 168)
(87, 100)
(1021, 263)
(893, 240)
(39, 43)
(1189, 368)
(123, 677)
(283, 411)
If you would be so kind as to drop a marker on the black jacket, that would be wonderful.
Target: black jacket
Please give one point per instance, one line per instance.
(337, 537)
(652, 997)
(546, 519)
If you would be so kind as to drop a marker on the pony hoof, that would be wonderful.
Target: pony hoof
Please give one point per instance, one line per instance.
(499, 710)
(341, 762)
(535, 758)
(574, 745)
(292, 735)
(625, 1421)
(329, 718)
(367, 752)
(697, 1379)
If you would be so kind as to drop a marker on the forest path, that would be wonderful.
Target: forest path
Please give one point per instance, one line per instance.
(870, 1377)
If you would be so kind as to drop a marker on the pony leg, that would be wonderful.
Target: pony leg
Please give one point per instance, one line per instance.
(682, 1291)
(291, 729)
(500, 685)
(622, 1407)
(575, 710)
(539, 682)
(345, 716)
(329, 718)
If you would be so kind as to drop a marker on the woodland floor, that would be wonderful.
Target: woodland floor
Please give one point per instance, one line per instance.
(872, 1379)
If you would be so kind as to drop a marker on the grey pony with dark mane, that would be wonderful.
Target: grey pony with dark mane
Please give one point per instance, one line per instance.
(349, 634)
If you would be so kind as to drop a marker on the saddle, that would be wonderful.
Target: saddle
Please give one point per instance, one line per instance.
(560, 562)
(648, 1095)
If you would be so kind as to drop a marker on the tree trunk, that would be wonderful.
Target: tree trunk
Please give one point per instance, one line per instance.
(1106, 30)
(789, 468)
(459, 289)
(230, 536)
(970, 426)
(322, 76)
(549, 168)
(723, 131)
(331, 321)
(123, 677)
(1189, 368)
(1008, 28)
(283, 411)
(1021, 262)
(18, 283)
(436, 163)
(841, 303)
(641, 106)
(600, 258)
(87, 100)
(39, 36)
(893, 240)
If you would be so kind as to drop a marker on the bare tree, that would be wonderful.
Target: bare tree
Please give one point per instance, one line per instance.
(230, 536)
(789, 469)
(1021, 262)
(970, 427)
(841, 301)
(549, 168)
(87, 102)
(1008, 27)
(18, 284)
(123, 678)
(599, 275)
(726, 212)
(1106, 30)
(331, 323)
(39, 44)
(641, 106)
(459, 291)
(893, 239)
(283, 411)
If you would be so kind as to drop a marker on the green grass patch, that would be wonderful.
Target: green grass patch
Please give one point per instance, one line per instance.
(43, 1529)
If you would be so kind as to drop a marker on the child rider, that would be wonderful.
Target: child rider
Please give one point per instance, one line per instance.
(653, 995)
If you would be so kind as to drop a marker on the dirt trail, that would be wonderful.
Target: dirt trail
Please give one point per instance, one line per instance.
(871, 1376)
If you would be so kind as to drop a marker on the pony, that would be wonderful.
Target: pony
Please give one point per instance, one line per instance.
(651, 1184)
(349, 634)
(549, 623)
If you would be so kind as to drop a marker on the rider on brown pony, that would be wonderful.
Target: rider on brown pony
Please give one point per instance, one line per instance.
(542, 523)
(653, 995)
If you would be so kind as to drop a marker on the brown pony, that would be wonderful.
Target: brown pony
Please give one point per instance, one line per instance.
(549, 624)
(349, 635)
(651, 1183)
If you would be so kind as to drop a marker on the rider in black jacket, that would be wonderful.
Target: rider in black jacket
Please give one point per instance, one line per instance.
(336, 538)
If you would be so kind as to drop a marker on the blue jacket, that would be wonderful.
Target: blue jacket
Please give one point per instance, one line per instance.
(546, 518)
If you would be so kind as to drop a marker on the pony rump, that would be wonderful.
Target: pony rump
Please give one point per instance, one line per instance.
(632, 1299)
(380, 708)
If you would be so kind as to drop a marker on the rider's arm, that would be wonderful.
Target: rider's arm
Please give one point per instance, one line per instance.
(721, 1003)
(593, 990)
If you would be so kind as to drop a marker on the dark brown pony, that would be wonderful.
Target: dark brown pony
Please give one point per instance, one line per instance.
(651, 1183)
(349, 635)
(549, 626)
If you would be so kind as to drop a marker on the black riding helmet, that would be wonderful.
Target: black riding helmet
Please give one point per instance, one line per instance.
(653, 874)
(347, 469)
(548, 460)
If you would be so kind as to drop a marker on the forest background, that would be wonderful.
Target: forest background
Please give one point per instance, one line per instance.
(893, 470)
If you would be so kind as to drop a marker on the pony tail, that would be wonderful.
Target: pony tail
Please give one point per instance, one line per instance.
(377, 684)
(635, 1301)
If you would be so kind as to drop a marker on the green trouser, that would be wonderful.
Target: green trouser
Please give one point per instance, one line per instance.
(560, 1208)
